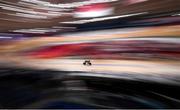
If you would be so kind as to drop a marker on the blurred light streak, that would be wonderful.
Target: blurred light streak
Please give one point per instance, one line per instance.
(129, 2)
(69, 5)
(93, 13)
(1, 37)
(31, 16)
(36, 30)
(102, 19)
(94, 10)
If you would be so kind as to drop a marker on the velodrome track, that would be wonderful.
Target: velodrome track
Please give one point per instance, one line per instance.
(154, 64)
